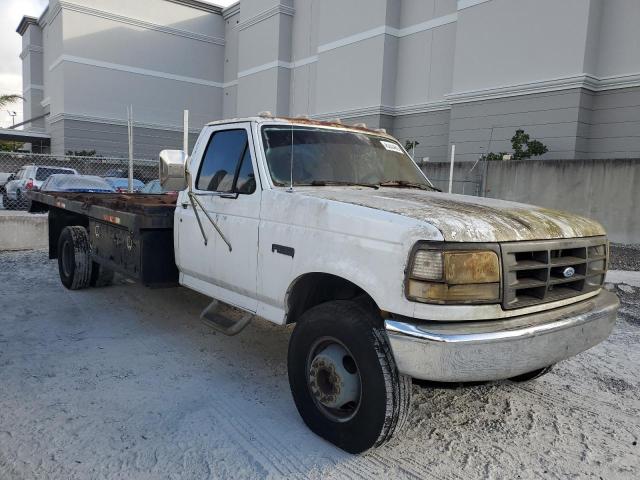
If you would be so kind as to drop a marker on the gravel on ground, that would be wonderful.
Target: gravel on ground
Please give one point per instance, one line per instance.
(624, 257)
(125, 382)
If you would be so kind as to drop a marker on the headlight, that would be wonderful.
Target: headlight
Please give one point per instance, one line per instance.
(453, 276)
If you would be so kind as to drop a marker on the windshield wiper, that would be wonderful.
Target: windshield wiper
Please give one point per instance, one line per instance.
(407, 184)
(326, 183)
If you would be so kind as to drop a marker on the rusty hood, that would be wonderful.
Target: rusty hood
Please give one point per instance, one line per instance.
(462, 218)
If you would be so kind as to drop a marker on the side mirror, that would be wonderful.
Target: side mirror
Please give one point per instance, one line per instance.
(172, 170)
(11, 177)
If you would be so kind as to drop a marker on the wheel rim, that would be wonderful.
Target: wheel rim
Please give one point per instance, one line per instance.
(66, 259)
(333, 378)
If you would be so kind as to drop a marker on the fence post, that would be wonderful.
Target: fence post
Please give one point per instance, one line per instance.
(185, 139)
(453, 154)
(130, 123)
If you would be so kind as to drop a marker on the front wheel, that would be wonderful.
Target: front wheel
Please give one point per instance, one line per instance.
(526, 377)
(343, 377)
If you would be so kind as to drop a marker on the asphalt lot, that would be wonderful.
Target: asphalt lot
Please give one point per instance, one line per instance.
(125, 382)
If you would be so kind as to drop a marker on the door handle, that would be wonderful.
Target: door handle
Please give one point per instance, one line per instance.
(185, 205)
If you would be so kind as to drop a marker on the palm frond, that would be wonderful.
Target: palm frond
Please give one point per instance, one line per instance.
(9, 99)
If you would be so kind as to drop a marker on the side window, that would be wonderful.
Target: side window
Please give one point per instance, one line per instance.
(226, 164)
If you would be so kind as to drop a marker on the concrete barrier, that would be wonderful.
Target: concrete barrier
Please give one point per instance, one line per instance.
(606, 190)
(23, 231)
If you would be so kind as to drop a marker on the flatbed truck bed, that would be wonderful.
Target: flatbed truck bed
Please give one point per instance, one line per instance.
(131, 234)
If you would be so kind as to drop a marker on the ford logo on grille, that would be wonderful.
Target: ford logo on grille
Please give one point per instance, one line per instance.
(569, 272)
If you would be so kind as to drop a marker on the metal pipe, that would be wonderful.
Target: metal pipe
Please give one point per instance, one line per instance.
(453, 154)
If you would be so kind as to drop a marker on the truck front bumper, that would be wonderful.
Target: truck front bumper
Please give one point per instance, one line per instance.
(494, 350)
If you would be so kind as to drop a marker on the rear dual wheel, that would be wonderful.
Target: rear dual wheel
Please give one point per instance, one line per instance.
(75, 266)
(343, 377)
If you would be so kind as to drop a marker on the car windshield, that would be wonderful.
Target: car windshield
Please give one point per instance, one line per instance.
(322, 156)
(77, 183)
(124, 182)
(45, 172)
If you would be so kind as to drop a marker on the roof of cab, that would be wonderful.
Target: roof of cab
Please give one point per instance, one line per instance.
(303, 121)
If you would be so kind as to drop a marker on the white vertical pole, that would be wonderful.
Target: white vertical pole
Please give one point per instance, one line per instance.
(453, 154)
(130, 115)
(185, 139)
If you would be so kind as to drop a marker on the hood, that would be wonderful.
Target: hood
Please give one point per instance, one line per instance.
(462, 218)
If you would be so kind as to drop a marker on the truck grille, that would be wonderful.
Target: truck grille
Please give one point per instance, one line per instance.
(540, 271)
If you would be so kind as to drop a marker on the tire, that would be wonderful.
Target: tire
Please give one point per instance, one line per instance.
(6, 203)
(379, 408)
(101, 276)
(20, 202)
(74, 258)
(526, 377)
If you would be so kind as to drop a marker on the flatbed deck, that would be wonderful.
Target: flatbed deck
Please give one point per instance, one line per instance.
(134, 210)
(129, 233)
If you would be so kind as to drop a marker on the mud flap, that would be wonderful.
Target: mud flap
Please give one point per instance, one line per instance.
(225, 318)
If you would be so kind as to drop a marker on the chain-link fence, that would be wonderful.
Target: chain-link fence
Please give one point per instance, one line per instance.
(21, 173)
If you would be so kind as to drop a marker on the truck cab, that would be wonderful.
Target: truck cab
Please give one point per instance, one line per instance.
(336, 229)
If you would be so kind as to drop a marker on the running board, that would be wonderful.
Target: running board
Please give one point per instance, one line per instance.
(225, 318)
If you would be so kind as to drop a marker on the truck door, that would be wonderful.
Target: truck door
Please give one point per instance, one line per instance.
(227, 186)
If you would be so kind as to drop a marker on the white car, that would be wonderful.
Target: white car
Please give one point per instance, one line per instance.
(28, 178)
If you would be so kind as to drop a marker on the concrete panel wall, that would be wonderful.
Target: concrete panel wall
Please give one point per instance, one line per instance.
(618, 37)
(602, 189)
(430, 129)
(488, 125)
(23, 231)
(504, 42)
(498, 65)
(112, 140)
(350, 77)
(605, 189)
(156, 101)
(614, 124)
(112, 41)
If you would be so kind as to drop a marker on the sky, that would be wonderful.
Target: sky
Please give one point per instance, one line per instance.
(11, 12)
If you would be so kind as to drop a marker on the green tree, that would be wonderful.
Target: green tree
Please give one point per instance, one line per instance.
(523, 148)
(10, 146)
(80, 153)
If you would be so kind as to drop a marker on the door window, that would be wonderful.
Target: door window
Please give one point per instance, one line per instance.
(226, 164)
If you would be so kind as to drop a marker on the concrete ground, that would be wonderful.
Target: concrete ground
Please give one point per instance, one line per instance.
(125, 382)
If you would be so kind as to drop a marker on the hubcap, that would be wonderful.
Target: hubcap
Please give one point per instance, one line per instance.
(334, 380)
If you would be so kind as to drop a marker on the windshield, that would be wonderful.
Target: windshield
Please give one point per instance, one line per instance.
(45, 172)
(322, 157)
(76, 183)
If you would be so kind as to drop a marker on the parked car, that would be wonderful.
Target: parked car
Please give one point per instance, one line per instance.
(4, 178)
(335, 229)
(28, 178)
(61, 182)
(154, 187)
(121, 185)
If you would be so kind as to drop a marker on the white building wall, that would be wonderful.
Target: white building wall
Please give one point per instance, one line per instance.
(467, 72)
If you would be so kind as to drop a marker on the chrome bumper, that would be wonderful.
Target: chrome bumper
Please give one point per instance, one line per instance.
(494, 350)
